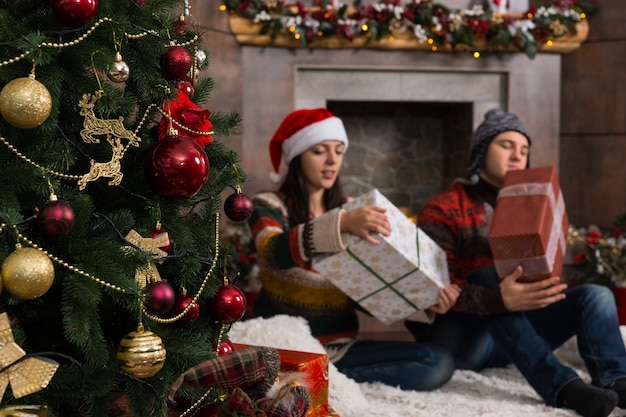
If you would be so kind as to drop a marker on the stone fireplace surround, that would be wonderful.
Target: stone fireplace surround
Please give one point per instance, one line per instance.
(277, 81)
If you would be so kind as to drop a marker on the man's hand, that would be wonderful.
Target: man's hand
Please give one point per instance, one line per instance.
(523, 296)
(447, 298)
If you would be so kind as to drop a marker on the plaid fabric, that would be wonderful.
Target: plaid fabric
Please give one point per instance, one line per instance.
(253, 369)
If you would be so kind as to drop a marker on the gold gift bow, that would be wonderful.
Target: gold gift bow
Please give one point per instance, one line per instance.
(26, 377)
(148, 273)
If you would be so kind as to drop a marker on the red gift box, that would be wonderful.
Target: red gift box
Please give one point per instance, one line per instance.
(529, 225)
(314, 367)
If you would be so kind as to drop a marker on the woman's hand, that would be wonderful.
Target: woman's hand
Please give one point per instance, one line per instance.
(523, 296)
(365, 220)
(447, 298)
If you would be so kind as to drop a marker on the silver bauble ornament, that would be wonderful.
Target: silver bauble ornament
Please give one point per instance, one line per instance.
(200, 57)
(119, 71)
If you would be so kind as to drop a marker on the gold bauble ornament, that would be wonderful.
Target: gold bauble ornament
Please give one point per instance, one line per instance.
(25, 102)
(27, 273)
(141, 353)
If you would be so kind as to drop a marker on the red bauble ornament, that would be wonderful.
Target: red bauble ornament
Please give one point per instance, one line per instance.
(74, 13)
(156, 232)
(177, 167)
(185, 85)
(228, 305)
(181, 302)
(56, 218)
(160, 298)
(176, 62)
(225, 348)
(238, 207)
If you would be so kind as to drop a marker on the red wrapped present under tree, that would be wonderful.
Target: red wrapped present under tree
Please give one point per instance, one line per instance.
(313, 368)
(529, 225)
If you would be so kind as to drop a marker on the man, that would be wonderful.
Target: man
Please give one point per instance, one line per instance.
(497, 320)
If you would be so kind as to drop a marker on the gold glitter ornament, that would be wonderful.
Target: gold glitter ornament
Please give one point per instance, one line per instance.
(141, 353)
(27, 273)
(25, 102)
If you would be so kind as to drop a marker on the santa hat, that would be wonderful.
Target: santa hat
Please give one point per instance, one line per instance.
(302, 129)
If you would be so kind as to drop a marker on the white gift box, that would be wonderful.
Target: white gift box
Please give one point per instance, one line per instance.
(395, 279)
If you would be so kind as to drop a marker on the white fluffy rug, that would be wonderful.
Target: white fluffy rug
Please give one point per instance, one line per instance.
(491, 393)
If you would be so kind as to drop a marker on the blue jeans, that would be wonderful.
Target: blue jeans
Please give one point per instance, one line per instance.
(529, 338)
(409, 365)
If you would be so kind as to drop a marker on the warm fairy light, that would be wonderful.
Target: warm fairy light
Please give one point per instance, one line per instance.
(320, 33)
(583, 15)
(476, 54)
(392, 38)
(292, 29)
(529, 15)
(549, 42)
(433, 48)
(364, 28)
(222, 7)
(296, 36)
(430, 41)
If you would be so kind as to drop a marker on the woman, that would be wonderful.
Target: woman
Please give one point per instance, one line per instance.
(289, 230)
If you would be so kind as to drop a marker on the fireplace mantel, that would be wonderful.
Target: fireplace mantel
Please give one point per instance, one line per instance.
(247, 32)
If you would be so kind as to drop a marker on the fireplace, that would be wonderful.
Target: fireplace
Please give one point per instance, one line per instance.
(409, 151)
(432, 101)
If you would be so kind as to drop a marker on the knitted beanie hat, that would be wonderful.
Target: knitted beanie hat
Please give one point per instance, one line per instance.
(496, 121)
(302, 129)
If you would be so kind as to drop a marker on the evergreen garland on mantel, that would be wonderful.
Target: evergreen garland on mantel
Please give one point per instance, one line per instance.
(433, 25)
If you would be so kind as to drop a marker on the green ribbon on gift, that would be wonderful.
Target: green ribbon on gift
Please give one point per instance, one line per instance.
(389, 284)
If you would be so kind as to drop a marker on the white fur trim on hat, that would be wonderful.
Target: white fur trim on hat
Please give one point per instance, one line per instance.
(328, 129)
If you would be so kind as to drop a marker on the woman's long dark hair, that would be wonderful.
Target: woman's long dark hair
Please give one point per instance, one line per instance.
(294, 193)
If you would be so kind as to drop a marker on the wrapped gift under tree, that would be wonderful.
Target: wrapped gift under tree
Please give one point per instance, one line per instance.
(396, 279)
(529, 225)
(312, 371)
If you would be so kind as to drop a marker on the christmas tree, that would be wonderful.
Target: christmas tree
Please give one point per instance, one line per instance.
(114, 279)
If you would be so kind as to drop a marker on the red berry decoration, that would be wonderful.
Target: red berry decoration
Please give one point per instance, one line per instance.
(225, 348)
(177, 167)
(176, 62)
(228, 305)
(160, 298)
(56, 218)
(185, 86)
(74, 13)
(180, 303)
(238, 207)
